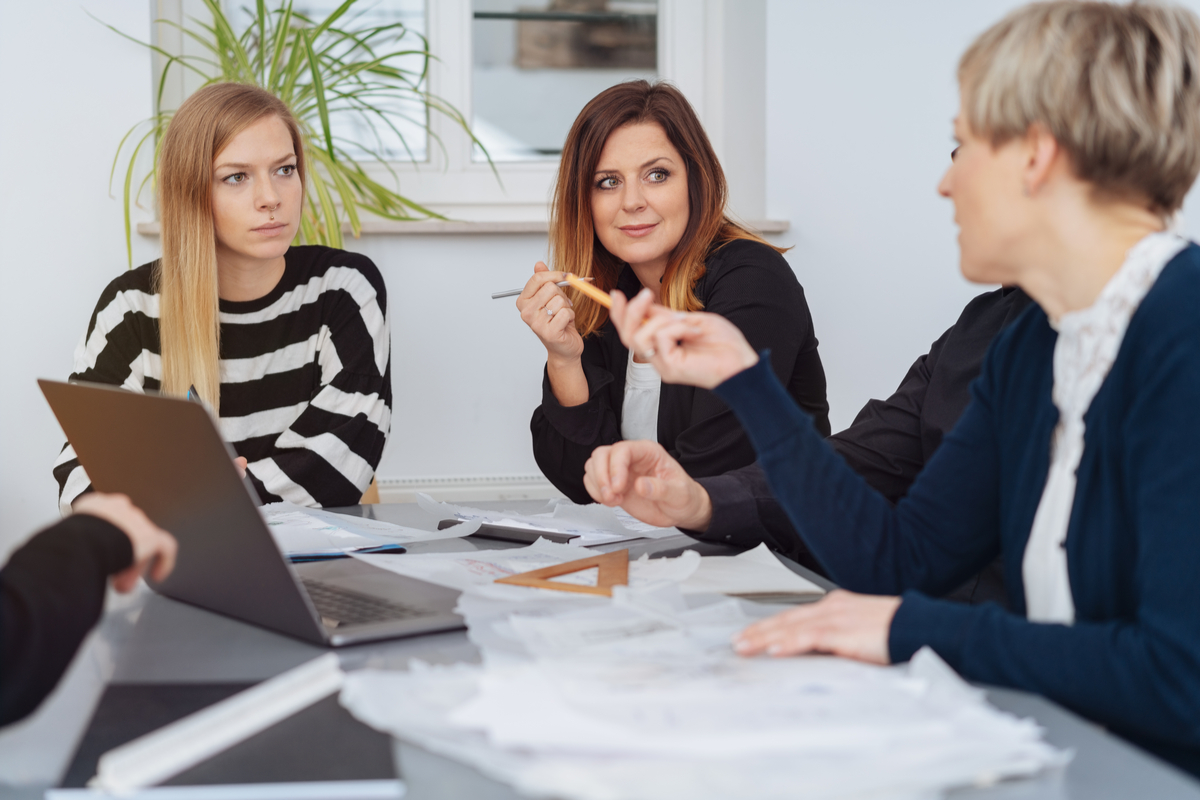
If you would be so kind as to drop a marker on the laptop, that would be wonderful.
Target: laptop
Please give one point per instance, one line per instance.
(166, 454)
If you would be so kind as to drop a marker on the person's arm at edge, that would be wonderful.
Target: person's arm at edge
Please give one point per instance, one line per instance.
(51, 594)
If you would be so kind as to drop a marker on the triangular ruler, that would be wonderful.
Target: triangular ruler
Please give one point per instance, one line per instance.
(613, 569)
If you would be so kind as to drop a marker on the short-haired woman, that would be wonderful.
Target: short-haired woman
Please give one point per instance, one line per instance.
(640, 203)
(1078, 459)
(288, 346)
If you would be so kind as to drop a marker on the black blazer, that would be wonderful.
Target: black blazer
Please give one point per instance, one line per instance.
(753, 287)
(888, 443)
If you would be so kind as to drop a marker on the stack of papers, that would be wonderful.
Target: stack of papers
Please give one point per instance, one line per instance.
(641, 696)
(309, 534)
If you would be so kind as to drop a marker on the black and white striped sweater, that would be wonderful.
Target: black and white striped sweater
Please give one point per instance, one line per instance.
(306, 387)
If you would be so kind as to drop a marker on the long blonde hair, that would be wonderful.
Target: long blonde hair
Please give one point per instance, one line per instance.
(574, 245)
(186, 277)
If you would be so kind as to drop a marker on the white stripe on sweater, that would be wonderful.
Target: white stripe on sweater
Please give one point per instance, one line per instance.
(335, 278)
(329, 447)
(351, 404)
(110, 317)
(285, 359)
(271, 422)
(281, 485)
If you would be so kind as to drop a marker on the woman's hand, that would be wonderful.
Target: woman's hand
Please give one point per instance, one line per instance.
(642, 478)
(842, 623)
(546, 310)
(153, 548)
(695, 349)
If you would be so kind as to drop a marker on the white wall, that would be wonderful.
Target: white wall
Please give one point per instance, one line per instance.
(860, 96)
(69, 89)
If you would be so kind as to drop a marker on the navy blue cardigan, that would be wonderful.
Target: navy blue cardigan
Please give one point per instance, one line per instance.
(1131, 661)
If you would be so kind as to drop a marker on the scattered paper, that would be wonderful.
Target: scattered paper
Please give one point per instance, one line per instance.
(753, 574)
(305, 533)
(749, 728)
(641, 696)
(591, 524)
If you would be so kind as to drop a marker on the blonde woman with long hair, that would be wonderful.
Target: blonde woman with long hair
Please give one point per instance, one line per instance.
(288, 346)
(640, 202)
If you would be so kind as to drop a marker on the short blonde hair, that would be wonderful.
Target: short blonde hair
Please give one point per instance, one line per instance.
(1116, 86)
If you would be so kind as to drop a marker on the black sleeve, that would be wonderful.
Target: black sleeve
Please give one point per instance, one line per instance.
(565, 436)
(753, 287)
(745, 513)
(884, 443)
(51, 594)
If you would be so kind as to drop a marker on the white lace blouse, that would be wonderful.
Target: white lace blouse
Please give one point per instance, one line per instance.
(1088, 341)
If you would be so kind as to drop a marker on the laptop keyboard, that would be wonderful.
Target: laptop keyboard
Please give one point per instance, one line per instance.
(338, 606)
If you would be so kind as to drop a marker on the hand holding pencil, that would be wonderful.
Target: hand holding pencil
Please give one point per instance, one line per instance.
(548, 312)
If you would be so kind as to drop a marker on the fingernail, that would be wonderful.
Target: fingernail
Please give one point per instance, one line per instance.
(741, 645)
(774, 650)
(644, 292)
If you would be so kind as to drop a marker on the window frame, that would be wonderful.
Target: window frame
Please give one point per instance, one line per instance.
(713, 50)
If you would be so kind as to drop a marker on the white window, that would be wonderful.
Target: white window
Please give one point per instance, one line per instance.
(521, 70)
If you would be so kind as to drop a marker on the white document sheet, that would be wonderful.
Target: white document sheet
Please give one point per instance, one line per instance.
(313, 533)
(754, 572)
(592, 524)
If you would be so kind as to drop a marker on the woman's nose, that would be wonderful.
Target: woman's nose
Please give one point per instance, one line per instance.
(633, 199)
(943, 187)
(267, 198)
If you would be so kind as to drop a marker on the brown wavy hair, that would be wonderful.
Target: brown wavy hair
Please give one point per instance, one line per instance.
(186, 276)
(574, 246)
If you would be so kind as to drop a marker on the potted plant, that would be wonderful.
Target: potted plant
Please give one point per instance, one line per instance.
(322, 69)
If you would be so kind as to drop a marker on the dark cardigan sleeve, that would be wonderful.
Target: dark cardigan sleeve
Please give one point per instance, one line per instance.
(752, 286)
(1139, 674)
(883, 445)
(51, 594)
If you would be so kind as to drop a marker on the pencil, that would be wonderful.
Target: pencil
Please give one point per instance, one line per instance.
(515, 292)
(591, 291)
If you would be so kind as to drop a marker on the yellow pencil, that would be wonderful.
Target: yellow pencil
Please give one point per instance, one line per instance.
(591, 291)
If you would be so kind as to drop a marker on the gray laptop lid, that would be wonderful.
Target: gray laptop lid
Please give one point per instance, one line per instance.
(167, 456)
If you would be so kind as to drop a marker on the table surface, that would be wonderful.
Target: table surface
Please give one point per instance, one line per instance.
(148, 638)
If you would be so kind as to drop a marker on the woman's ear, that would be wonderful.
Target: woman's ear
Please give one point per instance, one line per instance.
(1042, 155)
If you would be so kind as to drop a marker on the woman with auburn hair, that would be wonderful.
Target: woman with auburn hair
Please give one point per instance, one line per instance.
(287, 346)
(1078, 459)
(640, 203)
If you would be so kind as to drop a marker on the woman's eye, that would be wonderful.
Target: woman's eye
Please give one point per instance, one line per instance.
(954, 152)
(290, 169)
(658, 175)
(607, 183)
(235, 179)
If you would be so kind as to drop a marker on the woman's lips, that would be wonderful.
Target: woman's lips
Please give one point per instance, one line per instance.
(638, 230)
(272, 229)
